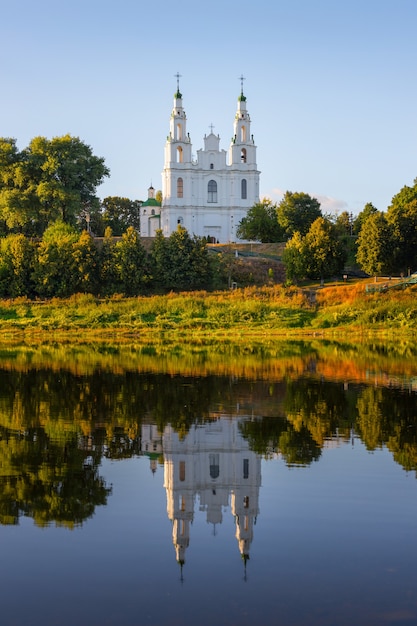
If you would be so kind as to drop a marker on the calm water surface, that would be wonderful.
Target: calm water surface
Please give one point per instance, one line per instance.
(152, 497)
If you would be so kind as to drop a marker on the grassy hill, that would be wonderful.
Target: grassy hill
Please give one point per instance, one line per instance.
(253, 263)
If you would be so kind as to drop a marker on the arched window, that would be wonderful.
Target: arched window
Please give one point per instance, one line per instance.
(180, 188)
(180, 221)
(179, 154)
(244, 189)
(243, 155)
(212, 191)
(179, 132)
(243, 134)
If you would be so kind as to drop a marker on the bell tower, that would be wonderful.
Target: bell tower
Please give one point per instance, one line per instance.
(242, 148)
(178, 143)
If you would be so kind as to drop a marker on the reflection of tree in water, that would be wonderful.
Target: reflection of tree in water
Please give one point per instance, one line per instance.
(388, 417)
(311, 412)
(106, 401)
(272, 435)
(50, 481)
(319, 407)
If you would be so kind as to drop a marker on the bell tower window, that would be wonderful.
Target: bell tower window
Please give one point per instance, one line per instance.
(179, 155)
(180, 188)
(179, 132)
(212, 191)
(243, 134)
(243, 155)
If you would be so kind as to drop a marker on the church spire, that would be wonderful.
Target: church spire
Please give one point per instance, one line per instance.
(242, 151)
(178, 94)
(242, 98)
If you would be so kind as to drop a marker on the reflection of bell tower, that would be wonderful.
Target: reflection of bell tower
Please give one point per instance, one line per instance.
(245, 502)
(151, 444)
(213, 463)
(178, 481)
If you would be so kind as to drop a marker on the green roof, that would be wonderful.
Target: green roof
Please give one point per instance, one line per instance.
(151, 202)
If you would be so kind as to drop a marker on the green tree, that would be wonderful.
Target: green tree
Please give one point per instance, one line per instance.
(55, 271)
(260, 223)
(402, 216)
(201, 265)
(375, 245)
(86, 261)
(296, 212)
(319, 254)
(324, 252)
(159, 261)
(188, 265)
(294, 258)
(20, 210)
(16, 266)
(132, 263)
(368, 209)
(344, 224)
(108, 275)
(120, 213)
(49, 180)
(345, 228)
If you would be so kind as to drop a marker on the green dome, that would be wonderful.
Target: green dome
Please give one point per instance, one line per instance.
(151, 202)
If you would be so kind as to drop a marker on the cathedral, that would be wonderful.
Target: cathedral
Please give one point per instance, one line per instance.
(208, 195)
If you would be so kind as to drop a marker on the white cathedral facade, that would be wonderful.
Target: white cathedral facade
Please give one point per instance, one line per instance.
(208, 195)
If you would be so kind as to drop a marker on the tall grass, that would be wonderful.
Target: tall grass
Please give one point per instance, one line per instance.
(267, 310)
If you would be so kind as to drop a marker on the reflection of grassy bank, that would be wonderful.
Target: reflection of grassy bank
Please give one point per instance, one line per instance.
(240, 314)
(388, 363)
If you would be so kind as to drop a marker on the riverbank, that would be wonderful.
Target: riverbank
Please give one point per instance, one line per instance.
(265, 312)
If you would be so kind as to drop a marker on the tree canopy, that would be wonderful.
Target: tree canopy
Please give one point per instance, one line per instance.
(120, 213)
(51, 179)
(180, 261)
(260, 223)
(319, 254)
(296, 212)
(375, 245)
(402, 217)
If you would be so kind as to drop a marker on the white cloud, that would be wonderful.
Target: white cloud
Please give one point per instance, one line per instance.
(330, 205)
(274, 194)
(327, 203)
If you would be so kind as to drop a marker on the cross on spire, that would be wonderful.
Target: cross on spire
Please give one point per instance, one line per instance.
(178, 76)
(241, 78)
(211, 127)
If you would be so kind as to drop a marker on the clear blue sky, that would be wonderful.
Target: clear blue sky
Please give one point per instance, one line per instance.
(330, 84)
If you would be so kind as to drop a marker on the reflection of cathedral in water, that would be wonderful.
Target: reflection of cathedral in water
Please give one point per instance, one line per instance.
(214, 465)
